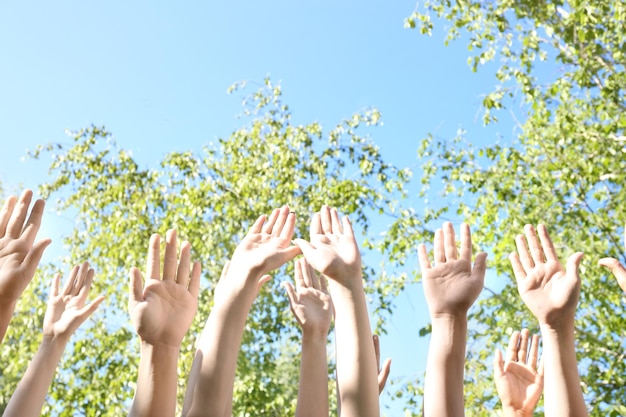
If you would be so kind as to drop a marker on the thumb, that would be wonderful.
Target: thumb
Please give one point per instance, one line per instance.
(498, 364)
(617, 269)
(261, 282)
(305, 246)
(135, 287)
(291, 292)
(573, 262)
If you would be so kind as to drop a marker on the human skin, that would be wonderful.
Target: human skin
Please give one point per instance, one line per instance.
(162, 309)
(551, 293)
(451, 285)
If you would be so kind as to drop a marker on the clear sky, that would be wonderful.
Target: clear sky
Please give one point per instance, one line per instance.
(156, 74)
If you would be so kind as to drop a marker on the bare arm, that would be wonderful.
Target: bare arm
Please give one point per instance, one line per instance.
(551, 293)
(19, 255)
(312, 307)
(451, 286)
(162, 311)
(334, 252)
(267, 246)
(65, 313)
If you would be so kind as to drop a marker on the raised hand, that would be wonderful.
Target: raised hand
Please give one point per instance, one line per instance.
(66, 308)
(162, 310)
(310, 302)
(19, 256)
(383, 373)
(518, 379)
(312, 307)
(451, 285)
(551, 293)
(616, 267)
(549, 290)
(267, 245)
(332, 249)
(66, 311)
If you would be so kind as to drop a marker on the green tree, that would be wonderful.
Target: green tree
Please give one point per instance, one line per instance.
(560, 68)
(211, 198)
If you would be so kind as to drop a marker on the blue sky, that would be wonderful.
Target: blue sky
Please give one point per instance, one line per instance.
(156, 74)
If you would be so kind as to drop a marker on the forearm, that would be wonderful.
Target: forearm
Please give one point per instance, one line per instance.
(6, 313)
(156, 382)
(357, 376)
(210, 385)
(443, 385)
(29, 397)
(313, 387)
(562, 393)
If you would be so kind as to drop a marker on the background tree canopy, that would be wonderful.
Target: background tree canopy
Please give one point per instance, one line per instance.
(559, 69)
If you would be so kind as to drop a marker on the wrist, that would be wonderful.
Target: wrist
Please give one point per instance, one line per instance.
(159, 349)
(513, 412)
(349, 283)
(315, 334)
(561, 326)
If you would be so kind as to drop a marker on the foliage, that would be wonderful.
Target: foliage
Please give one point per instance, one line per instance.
(562, 65)
(211, 198)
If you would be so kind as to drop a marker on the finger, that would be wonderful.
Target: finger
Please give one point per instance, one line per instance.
(281, 221)
(257, 226)
(347, 226)
(269, 224)
(534, 351)
(5, 214)
(135, 287)
(194, 282)
(422, 256)
(383, 375)
(184, 264)
(466, 242)
(511, 351)
(518, 269)
(327, 225)
(16, 222)
(262, 281)
(546, 243)
(536, 250)
(299, 274)
(306, 277)
(440, 253)
(498, 364)
(307, 249)
(80, 279)
(480, 265)
(291, 293)
(334, 222)
(34, 222)
(69, 283)
(169, 260)
(313, 276)
(573, 262)
(88, 310)
(617, 269)
(323, 283)
(153, 267)
(54, 288)
(289, 227)
(83, 292)
(522, 351)
(523, 254)
(33, 257)
(316, 225)
(376, 341)
(449, 242)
